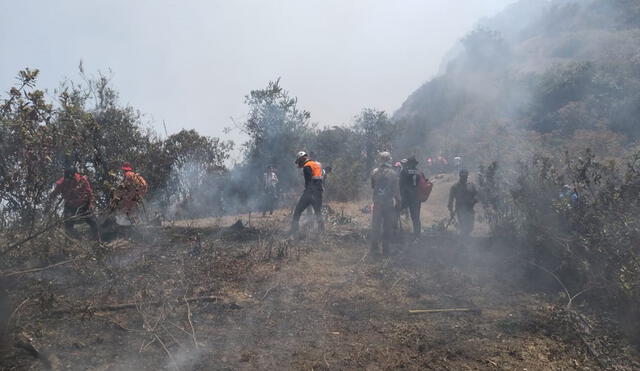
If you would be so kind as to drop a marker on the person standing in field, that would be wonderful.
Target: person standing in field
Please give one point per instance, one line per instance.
(462, 199)
(386, 201)
(312, 194)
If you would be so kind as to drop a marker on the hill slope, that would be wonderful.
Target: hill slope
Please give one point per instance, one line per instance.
(556, 67)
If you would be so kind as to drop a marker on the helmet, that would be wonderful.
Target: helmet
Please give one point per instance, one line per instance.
(300, 155)
(126, 166)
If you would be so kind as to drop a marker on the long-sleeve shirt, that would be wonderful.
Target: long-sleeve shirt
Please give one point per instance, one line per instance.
(76, 192)
(464, 196)
(385, 184)
(312, 181)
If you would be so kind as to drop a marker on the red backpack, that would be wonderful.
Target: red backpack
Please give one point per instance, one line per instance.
(424, 187)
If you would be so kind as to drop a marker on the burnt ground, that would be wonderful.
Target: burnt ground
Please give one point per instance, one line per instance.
(201, 295)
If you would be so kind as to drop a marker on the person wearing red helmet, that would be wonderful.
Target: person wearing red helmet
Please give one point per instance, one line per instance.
(130, 192)
(78, 199)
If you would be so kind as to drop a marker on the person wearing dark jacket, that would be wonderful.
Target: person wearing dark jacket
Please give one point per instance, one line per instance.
(78, 199)
(313, 189)
(462, 199)
(409, 180)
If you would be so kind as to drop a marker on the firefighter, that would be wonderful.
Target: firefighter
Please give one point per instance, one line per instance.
(409, 180)
(313, 189)
(386, 201)
(462, 199)
(130, 192)
(78, 199)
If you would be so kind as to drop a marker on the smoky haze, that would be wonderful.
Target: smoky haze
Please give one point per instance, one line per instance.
(190, 63)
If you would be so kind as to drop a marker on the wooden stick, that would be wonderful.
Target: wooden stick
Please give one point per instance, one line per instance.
(420, 311)
(33, 270)
(117, 307)
(193, 330)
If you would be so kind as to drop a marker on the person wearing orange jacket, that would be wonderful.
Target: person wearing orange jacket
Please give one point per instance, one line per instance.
(78, 199)
(313, 189)
(130, 192)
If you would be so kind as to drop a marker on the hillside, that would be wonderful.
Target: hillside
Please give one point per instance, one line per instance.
(543, 67)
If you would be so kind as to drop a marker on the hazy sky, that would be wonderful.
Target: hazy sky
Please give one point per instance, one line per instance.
(191, 63)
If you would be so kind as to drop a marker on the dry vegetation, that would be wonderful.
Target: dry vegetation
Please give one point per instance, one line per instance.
(214, 294)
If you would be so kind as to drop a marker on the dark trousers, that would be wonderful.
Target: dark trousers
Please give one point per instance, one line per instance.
(383, 220)
(311, 198)
(414, 210)
(80, 214)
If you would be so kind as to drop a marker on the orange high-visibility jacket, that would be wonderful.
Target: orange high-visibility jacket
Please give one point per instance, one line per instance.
(312, 171)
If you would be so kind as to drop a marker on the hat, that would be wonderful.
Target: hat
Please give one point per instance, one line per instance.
(412, 160)
(126, 166)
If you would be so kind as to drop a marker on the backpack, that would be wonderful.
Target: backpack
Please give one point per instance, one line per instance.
(424, 187)
(141, 184)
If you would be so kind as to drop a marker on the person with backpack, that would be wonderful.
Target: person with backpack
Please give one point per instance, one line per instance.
(130, 192)
(410, 178)
(386, 199)
(78, 199)
(462, 199)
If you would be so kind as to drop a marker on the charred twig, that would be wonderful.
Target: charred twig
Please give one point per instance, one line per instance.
(117, 307)
(15, 311)
(564, 287)
(43, 230)
(193, 330)
(175, 364)
(448, 310)
(33, 270)
(269, 290)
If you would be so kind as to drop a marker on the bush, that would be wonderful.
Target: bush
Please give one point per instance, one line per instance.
(593, 240)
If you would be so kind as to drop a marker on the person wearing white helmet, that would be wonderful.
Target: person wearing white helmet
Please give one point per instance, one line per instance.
(386, 200)
(312, 194)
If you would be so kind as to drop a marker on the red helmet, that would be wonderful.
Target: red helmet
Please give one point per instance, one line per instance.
(126, 166)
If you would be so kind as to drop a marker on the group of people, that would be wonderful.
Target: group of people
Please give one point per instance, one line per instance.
(396, 187)
(79, 200)
(442, 164)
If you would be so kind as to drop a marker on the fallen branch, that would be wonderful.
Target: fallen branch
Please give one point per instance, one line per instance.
(15, 311)
(14, 245)
(117, 307)
(420, 311)
(33, 270)
(570, 297)
(193, 330)
(175, 364)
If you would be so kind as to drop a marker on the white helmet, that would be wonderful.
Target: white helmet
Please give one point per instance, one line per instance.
(300, 155)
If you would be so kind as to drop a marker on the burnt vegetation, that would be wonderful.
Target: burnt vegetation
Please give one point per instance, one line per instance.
(545, 111)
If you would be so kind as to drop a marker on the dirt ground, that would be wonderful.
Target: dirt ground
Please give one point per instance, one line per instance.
(214, 295)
